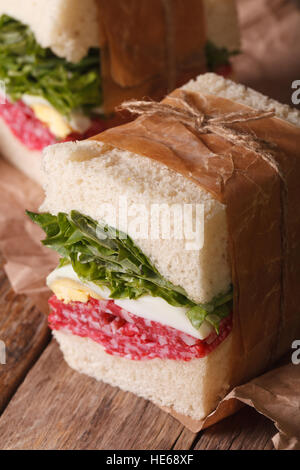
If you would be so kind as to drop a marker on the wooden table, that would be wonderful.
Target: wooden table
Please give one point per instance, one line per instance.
(46, 405)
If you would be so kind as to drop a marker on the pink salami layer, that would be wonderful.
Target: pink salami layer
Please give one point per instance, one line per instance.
(25, 126)
(32, 132)
(123, 334)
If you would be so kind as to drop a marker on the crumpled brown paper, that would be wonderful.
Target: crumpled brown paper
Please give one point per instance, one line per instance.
(274, 394)
(28, 262)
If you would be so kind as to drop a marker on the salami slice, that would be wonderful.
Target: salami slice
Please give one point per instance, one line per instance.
(124, 334)
(35, 135)
(25, 126)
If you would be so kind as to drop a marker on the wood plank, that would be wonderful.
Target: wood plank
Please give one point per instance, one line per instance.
(25, 334)
(247, 429)
(58, 408)
(184, 440)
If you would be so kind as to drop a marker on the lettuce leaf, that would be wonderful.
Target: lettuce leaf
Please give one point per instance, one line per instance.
(26, 67)
(217, 56)
(109, 257)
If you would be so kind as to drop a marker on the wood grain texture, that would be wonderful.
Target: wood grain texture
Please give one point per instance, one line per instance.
(58, 408)
(25, 334)
(246, 430)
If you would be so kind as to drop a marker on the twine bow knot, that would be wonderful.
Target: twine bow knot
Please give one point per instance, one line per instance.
(188, 114)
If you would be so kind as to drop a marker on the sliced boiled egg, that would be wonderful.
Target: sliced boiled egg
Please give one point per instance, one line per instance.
(53, 120)
(58, 124)
(68, 290)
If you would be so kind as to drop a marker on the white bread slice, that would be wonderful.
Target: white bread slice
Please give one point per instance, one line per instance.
(191, 388)
(213, 84)
(12, 149)
(70, 27)
(87, 176)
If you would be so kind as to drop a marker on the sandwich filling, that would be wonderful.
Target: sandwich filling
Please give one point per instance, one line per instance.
(49, 99)
(123, 334)
(108, 290)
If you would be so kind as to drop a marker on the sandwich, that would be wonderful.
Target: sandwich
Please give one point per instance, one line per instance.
(64, 67)
(178, 317)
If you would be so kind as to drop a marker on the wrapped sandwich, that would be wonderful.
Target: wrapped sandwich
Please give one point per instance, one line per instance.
(65, 66)
(181, 319)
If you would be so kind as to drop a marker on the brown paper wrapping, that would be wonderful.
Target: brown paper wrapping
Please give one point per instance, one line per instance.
(149, 48)
(274, 394)
(28, 262)
(262, 215)
(263, 229)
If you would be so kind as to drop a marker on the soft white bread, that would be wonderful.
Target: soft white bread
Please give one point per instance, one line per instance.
(213, 84)
(70, 27)
(190, 388)
(12, 149)
(91, 178)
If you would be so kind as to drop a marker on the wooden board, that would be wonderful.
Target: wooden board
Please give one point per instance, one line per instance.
(58, 408)
(23, 329)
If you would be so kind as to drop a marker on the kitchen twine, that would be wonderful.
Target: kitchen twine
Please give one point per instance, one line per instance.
(186, 112)
(194, 119)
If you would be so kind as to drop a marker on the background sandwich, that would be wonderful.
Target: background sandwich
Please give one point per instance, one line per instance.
(176, 326)
(66, 66)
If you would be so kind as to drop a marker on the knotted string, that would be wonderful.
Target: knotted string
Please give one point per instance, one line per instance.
(186, 112)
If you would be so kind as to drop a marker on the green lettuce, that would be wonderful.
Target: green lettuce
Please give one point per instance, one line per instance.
(217, 56)
(109, 258)
(26, 67)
